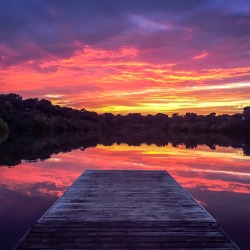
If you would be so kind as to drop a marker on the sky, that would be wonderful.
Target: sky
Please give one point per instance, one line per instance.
(147, 56)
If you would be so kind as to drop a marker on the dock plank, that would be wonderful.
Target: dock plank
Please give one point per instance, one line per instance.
(121, 209)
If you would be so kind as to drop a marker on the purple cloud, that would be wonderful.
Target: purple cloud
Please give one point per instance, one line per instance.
(163, 31)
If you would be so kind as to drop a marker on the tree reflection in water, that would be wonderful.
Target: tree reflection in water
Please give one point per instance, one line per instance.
(31, 148)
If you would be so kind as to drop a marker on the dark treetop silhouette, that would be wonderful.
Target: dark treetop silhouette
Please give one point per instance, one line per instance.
(47, 129)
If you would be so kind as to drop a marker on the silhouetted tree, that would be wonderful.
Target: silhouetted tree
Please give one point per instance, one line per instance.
(246, 114)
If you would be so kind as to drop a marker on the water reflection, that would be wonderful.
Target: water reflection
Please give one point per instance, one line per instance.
(219, 179)
(13, 150)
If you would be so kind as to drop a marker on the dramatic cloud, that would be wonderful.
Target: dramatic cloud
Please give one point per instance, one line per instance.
(140, 56)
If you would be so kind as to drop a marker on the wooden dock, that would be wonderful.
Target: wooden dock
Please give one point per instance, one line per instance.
(126, 210)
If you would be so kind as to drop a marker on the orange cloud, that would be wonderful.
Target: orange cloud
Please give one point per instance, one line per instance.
(119, 81)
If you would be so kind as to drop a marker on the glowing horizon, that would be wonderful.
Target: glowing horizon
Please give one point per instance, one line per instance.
(161, 57)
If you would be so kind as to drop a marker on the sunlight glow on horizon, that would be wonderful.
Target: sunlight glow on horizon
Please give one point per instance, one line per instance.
(115, 81)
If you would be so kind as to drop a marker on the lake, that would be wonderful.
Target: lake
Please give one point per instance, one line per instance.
(218, 178)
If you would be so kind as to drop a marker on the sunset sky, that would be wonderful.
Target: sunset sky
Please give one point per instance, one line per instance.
(145, 56)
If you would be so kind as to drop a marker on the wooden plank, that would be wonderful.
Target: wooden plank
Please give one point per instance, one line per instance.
(127, 224)
(126, 210)
(126, 245)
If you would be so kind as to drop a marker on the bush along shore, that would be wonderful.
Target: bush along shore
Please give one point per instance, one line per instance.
(39, 118)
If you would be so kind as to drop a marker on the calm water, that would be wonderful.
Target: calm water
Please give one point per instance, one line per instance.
(218, 179)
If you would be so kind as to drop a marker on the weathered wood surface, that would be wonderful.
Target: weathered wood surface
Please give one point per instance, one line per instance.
(126, 210)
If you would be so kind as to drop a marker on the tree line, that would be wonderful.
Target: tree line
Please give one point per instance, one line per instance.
(33, 129)
(40, 117)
